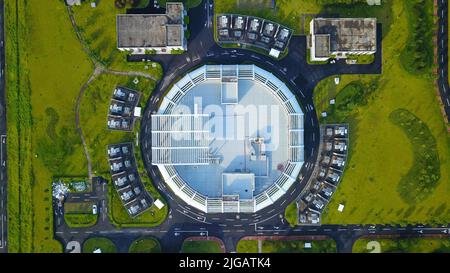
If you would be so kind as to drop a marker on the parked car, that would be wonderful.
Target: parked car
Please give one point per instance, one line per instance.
(94, 209)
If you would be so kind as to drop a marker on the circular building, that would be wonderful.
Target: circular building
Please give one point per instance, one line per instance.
(228, 138)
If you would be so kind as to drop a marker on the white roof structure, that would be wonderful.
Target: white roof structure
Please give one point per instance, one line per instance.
(137, 111)
(238, 184)
(274, 53)
(159, 204)
(228, 138)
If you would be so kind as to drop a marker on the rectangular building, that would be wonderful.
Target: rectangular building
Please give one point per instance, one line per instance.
(340, 37)
(160, 33)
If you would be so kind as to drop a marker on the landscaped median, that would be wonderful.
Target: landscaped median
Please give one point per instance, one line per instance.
(286, 244)
(79, 214)
(203, 245)
(99, 244)
(145, 245)
(391, 244)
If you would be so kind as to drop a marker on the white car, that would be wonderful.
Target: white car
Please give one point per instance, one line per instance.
(94, 209)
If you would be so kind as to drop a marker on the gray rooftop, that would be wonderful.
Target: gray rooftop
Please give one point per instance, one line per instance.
(322, 44)
(346, 34)
(151, 30)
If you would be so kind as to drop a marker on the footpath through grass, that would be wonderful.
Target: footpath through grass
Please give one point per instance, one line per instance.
(386, 168)
(46, 68)
(402, 245)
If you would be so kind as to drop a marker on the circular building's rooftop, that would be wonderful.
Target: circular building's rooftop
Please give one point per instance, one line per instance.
(228, 138)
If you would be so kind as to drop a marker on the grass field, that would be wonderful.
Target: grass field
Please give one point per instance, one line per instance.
(287, 246)
(402, 245)
(201, 247)
(145, 245)
(381, 154)
(104, 244)
(46, 68)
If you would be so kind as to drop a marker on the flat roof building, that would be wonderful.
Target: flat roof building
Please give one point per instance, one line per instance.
(159, 32)
(342, 37)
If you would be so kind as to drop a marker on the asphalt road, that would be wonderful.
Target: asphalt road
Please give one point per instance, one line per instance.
(444, 88)
(3, 178)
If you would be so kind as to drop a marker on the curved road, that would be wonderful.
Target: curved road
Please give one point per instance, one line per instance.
(444, 89)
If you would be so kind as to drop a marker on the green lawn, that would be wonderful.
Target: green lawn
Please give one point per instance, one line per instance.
(46, 68)
(75, 220)
(296, 14)
(145, 245)
(105, 245)
(402, 245)
(93, 113)
(287, 246)
(98, 28)
(291, 214)
(382, 156)
(201, 247)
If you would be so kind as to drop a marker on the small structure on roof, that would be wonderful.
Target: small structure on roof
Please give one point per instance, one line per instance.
(341, 37)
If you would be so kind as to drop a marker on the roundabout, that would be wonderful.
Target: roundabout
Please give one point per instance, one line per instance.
(228, 139)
